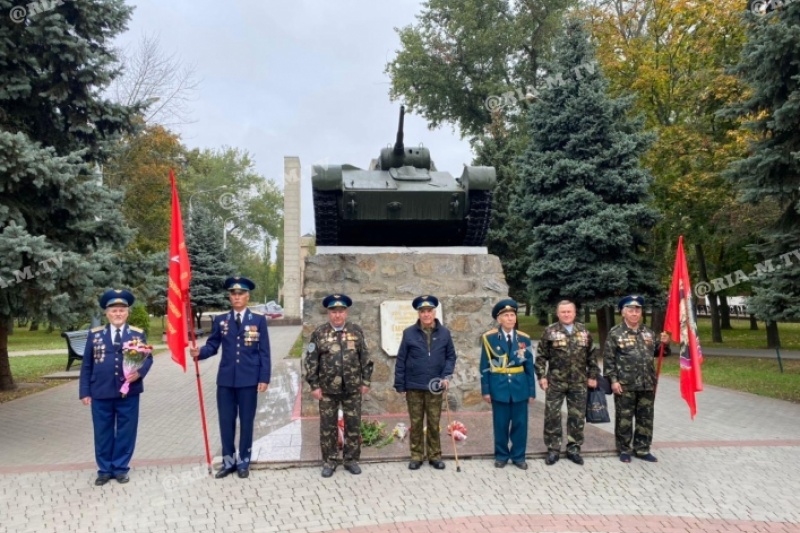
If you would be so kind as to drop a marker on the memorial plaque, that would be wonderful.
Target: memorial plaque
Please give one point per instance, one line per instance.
(397, 315)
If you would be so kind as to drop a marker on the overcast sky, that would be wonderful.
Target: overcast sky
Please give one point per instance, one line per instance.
(302, 78)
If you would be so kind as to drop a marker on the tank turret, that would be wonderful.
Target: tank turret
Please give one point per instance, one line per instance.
(401, 199)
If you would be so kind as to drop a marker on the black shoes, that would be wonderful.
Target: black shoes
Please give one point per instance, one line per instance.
(625, 457)
(353, 468)
(414, 465)
(243, 472)
(224, 472)
(327, 471)
(500, 464)
(522, 465)
(123, 478)
(575, 458)
(649, 457)
(437, 464)
(551, 459)
(102, 480)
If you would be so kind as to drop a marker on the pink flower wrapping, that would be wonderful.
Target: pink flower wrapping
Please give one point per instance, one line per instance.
(134, 353)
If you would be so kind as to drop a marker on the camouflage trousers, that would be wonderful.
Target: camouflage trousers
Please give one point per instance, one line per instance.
(422, 406)
(575, 395)
(328, 431)
(639, 404)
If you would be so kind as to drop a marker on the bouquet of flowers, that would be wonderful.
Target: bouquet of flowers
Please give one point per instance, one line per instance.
(134, 352)
(458, 430)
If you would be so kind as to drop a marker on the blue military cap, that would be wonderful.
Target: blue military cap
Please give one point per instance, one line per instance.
(632, 300)
(336, 300)
(116, 297)
(504, 306)
(425, 301)
(238, 283)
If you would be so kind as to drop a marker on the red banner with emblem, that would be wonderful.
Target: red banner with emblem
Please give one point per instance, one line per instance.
(680, 323)
(180, 274)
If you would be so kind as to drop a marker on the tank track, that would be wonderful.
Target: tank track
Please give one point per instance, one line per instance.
(480, 212)
(326, 218)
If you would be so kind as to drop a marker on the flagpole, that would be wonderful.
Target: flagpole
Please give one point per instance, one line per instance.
(199, 382)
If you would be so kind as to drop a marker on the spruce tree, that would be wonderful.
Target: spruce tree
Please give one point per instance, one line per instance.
(770, 174)
(60, 229)
(583, 196)
(210, 265)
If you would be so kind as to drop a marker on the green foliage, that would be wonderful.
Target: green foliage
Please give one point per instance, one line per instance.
(583, 197)
(139, 318)
(770, 66)
(373, 433)
(60, 230)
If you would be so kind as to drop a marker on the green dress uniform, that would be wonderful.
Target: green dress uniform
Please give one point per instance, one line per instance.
(507, 376)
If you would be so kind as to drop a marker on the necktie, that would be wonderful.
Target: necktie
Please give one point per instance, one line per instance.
(117, 338)
(238, 320)
(508, 340)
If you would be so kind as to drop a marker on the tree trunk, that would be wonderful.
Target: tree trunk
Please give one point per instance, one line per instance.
(6, 380)
(527, 309)
(587, 315)
(657, 320)
(605, 321)
(542, 315)
(724, 312)
(753, 323)
(773, 339)
(34, 325)
(716, 333)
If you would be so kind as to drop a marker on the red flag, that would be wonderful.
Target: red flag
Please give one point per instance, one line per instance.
(681, 325)
(180, 274)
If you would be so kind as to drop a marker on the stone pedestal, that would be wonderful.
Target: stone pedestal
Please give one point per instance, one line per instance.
(467, 281)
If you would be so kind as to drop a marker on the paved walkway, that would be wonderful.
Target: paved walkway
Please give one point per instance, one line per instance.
(734, 468)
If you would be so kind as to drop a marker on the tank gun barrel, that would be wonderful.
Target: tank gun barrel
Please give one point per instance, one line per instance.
(398, 145)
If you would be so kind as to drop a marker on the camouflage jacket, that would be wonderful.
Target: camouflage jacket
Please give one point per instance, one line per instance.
(566, 358)
(629, 357)
(338, 361)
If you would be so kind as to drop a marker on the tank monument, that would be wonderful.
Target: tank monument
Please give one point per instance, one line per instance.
(397, 230)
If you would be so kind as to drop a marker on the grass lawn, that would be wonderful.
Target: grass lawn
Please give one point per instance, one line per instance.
(747, 374)
(28, 372)
(297, 348)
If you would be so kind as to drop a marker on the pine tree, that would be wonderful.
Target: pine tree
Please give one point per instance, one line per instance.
(60, 229)
(210, 265)
(583, 196)
(770, 65)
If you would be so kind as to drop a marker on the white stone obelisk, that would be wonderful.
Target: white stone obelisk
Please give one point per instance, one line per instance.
(291, 237)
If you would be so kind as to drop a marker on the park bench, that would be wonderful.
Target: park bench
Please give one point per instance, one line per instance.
(76, 343)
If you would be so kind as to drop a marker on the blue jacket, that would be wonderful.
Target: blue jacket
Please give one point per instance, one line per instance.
(101, 369)
(416, 367)
(245, 351)
(507, 371)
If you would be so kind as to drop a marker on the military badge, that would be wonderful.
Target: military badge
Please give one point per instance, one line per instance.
(351, 345)
(311, 347)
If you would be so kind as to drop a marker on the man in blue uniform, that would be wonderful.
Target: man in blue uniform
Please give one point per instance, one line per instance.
(425, 360)
(115, 417)
(508, 383)
(244, 371)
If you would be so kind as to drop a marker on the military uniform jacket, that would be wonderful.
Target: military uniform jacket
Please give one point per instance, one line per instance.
(566, 358)
(245, 350)
(507, 371)
(418, 366)
(101, 368)
(338, 361)
(629, 357)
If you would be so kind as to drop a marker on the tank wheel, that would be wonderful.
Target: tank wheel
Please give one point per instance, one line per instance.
(326, 218)
(480, 210)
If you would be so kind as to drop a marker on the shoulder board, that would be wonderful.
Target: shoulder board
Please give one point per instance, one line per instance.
(98, 328)
(523, 334)
(256, 312)
(137, 330)
(491, 331)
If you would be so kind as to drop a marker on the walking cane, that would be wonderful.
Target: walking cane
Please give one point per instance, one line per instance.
(452, 432)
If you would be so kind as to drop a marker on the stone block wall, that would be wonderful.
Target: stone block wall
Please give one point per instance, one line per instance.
(467, 286)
